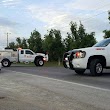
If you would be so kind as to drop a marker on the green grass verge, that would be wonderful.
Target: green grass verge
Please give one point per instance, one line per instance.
(46, 64)
(53, 64)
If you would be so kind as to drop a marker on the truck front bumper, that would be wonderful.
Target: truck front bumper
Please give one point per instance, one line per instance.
(79, 63)
(68, 64)
(75, 63)
(0, 66)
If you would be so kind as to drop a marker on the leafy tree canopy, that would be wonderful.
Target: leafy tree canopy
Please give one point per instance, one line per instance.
(35, 41)
(107, 32)
(78, 37)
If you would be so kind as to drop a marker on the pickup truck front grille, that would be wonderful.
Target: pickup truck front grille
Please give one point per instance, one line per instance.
(69, 58)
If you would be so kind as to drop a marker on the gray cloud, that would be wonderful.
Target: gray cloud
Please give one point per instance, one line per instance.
(60, 18)
(6, 22)
(88, 5)
(7, 26)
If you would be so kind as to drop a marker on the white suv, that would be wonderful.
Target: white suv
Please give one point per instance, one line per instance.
(94, 58)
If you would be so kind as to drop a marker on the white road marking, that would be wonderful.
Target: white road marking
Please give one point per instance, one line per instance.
(58, 80)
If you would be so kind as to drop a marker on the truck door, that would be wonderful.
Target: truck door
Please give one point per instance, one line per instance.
(26, 55)
(21, 55)
(29, 56)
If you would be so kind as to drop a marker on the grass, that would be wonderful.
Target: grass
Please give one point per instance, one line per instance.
(53, 64)
(46, 64)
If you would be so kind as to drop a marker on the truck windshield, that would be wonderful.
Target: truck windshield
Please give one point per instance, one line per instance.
(102, 43)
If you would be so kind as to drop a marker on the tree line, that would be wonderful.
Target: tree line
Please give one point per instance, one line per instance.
(54, 44)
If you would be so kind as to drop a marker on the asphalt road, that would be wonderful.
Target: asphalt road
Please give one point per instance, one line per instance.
(50, 88)
(66, 74)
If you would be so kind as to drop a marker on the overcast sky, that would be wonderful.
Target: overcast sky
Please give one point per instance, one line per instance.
(21, 17)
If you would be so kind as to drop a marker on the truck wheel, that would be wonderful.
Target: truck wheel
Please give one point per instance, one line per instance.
(96, 67)
(39, 62)
(6, 63)
(80, 71)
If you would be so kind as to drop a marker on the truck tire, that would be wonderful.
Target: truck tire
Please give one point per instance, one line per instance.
(80, 71)
(96, 67)
(39, 62)
(6, 63)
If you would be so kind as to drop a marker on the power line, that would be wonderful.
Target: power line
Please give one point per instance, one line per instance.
(93, 16)
(94, 27)
(86, 19)
(102, 6)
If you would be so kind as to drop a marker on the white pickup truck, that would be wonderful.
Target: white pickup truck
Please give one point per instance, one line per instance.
(8, 56)
(94, 58)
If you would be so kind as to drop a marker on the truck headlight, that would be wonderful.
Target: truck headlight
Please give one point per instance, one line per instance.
(66, 59)
(80, 54)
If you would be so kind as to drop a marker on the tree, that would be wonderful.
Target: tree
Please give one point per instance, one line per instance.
(48, 44)
(24, 43)
(35, 41)
(19, 42)
(58, 45)
(89, 40)
(53, 44)
(107, 32)
(109, 15)
(78, 37)
(68, 42)
(12, 45)
(74, 34)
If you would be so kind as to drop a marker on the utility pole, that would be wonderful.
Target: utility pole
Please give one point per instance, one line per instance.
(7, 37)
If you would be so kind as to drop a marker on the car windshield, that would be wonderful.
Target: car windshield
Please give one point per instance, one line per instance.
(102, 43)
